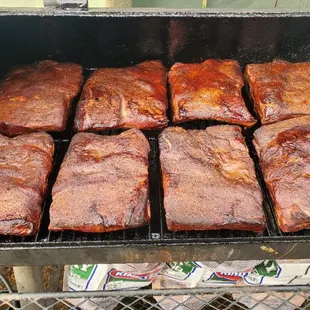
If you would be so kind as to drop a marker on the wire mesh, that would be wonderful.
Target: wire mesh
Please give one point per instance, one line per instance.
(223, 298)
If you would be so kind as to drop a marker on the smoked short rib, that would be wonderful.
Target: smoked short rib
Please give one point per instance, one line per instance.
(284, 155)
(132, 97)
(38, 97)
(25, 164)
(102, 184)
(210, 90)
(209, 180)
(280, 90)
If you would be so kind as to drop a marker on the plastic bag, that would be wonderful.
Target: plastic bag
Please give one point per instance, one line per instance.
(107, 277)
(271, 272)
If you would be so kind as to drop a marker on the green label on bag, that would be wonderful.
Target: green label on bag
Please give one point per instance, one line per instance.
(83, 271)
(268, 268)
(185, 268)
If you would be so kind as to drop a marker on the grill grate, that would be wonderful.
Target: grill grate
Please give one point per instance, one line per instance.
(157, 230)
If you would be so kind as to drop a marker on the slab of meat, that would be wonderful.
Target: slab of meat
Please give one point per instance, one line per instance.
(133, 97)
(25, 164)
(102, 184)
(210, 90)
(280, 90)
(38, 97)
(284, 155)
(209, 180)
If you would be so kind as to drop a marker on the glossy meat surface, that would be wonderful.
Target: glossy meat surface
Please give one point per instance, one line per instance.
(25, 164)
(133, 97)
(210, 90)
(280, 90)
(284, 155)
(38, 97)
(209, 180)
(102, 184)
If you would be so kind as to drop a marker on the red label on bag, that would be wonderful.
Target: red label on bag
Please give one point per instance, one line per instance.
(226, 277)
(236, 276)
(128, 276)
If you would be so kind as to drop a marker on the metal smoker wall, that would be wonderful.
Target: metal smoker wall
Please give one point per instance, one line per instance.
(106, 41)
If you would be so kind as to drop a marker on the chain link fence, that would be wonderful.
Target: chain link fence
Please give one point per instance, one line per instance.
(234, 298)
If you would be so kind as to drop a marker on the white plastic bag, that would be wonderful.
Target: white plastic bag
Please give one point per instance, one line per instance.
(178, 275)
(271, 272)
(107, 277)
